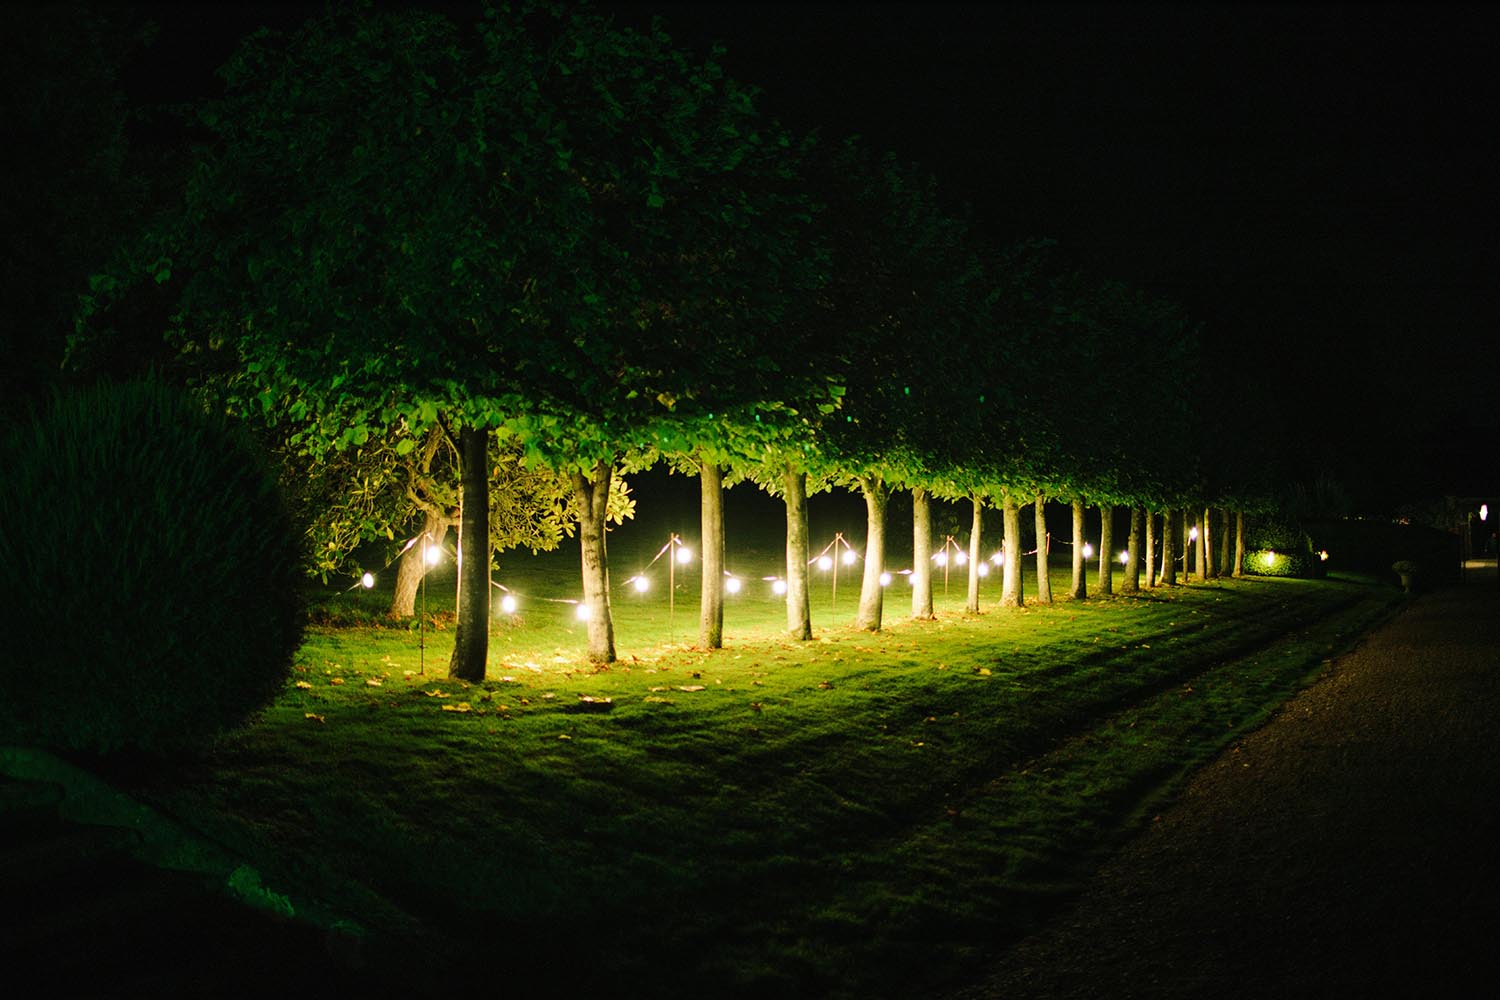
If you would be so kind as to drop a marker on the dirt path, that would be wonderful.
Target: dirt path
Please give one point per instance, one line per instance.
(1348, 848)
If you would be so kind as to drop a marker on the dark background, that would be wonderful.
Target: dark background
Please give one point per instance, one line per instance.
(1316, 183)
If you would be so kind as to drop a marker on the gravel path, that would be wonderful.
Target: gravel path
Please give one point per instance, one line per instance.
(1345, 849)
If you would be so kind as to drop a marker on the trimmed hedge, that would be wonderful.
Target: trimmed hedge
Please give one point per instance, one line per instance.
(145, 547)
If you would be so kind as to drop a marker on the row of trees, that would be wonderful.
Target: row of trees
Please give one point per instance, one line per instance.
(543, 249)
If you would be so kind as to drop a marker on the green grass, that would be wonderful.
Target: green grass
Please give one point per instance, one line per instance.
(860, 815)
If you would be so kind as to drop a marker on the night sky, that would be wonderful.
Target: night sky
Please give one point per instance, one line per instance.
(1316, 183)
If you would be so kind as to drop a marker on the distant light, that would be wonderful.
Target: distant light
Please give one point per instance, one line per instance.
(982, 568)
(1484, 512)
(1124, 557)
(1193, 534)
(367, 581)
(1323, 554)
(961, 558)
(911, 580)
(642, 584)
(684, 555)
(849, 557)
(885, 579)
(508, 604)
(1088, 551)
(582, 613)
(941, 558)
(778, 587)
(432, 554)
(998, 558)
(732, 585)
(825, 563)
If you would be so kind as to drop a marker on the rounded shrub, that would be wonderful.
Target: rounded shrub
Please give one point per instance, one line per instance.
(151, 572)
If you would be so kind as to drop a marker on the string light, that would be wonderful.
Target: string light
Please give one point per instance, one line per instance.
(684, 555)
(849, 557)
(982, 568)
(885, 579)
(432, 554)
(778, 587)
(641, 584)
(508, 604)
(941, 558)
(582, 612)
(732, 585)
(1088, 551)
(961, 558)
(1124, 557)
(825, 563)
(367, 581)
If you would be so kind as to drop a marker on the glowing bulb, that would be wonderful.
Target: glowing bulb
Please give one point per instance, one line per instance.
(582, 613)
(432, 554)
(825, 563)
(778, 587)
(885, 579)
(684, 555)
(961, 558)
(941, 558)
(732, 585)
(1088, 551)
(1484, 512)
(911, 581)
(508, 604)
(1193, 534)
(367, 581)
(641, 584)
(982, 568)
(1323, 555)
(849, 557)
(1124, 558)
(998, 558)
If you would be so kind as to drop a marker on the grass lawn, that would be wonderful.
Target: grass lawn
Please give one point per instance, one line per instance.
(861, 815)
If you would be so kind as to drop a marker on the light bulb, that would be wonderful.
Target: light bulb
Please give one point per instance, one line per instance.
(432, 554)
(885, 579)
(778, 587)
(825, 563)
(508, 604)
(849, 557)
(367, 581)
(582, 613)
(684, 555)
(732, 585)
(641, 584)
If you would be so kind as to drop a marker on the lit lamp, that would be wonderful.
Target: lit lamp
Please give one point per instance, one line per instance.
(367, 581)
(1124, 557)
(641, 584)
(732, 585)
(778, 587)
(508, 604)
(1088, 551)
(825, 563)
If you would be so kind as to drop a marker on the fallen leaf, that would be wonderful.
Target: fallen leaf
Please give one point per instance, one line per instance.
(310, 715)
(824, 685)
(461, 706)
(303, 684)
(691, 687)
(564, 736)
(335, 680)
(659, 701)
(436, 693)
(374, 682)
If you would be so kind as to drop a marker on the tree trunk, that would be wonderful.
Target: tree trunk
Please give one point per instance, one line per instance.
(1043, 581)
(471, 641)
(1226, 544)
(1011, 592)
(1204, 548)
(972, 607)
(1080, 588)
(1149, 562)
(871, 593)
(711, 605)
(1238, 569)
(1106, 549)
(921, 555)
(1132, 582)
(412, 567)
(591, 499)
(1169, 548)
(798, 609)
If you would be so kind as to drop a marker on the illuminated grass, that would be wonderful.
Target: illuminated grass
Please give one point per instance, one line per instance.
(859, 815)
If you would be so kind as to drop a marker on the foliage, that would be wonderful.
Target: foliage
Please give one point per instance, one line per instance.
(160, 562)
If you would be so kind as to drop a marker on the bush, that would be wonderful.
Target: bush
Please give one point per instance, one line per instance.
(1277, 546)
(144, 543)
(1374, 547)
